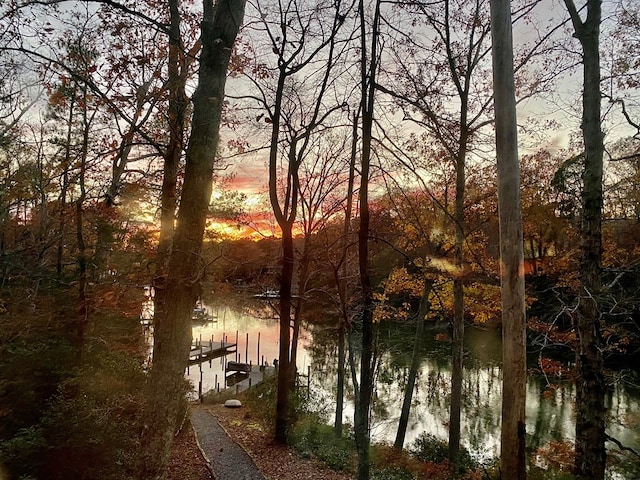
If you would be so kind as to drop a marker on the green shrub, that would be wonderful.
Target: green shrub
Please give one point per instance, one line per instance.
(429, 448)
(21, 448)
(392, 473)
(260, 399)
(63, 418)
(311, 438)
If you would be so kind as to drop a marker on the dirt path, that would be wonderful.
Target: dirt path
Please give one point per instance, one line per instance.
(227, 459)
(243, 428)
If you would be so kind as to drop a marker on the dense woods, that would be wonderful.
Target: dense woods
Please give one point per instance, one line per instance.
(407, 165)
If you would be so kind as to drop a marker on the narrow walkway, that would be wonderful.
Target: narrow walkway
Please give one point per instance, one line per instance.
(227, 459)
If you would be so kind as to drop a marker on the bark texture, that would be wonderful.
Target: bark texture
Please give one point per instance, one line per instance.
(178, 102)
(512, 455)
(590, 386)
(175, 298)
(457, 344)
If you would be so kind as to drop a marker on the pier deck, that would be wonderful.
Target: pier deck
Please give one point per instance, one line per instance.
(203, 351)
(251, 379)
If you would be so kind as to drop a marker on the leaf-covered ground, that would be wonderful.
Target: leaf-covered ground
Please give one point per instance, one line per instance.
(187, 463)
(274, 461)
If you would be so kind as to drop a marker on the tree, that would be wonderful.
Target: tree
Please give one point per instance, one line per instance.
(336, 254)
(322, 196)
(622, 197)
(138, 93)
(623, 86)
(178, 69)
(543, 226)
(443, 90)
(304, 39)
(16, 100)
(175, 299)
(72, 102)
(590, 386)
(369, 57)
(341, 273)
(147, 113)
(423, 310)
(512, 451)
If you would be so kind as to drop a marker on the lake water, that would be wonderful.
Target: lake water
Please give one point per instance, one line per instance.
(254, 328)
(549, 408)
(549, 415)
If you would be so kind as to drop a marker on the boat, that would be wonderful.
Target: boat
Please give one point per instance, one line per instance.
(201, 315)
(238, 367)
(268, 294)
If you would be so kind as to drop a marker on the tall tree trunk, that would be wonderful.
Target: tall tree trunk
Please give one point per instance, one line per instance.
(82, 324)
(283, 413)
(512, 454)
(62, 201)
(178, 102)
(286, 213)
(285, 218)
(457, 350)
(458, 295)
(298, 303)
(343, 320)
(413, 370)
(282, 399)
(175, 299)
(342, 357)
(363, 402)
(590, 386)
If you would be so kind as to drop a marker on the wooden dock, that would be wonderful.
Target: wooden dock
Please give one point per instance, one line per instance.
(249, 379)
(207, 350)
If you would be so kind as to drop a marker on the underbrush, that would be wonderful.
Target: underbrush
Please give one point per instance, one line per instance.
(426, 458)
(260, 399)
(312, 438)
(430, 449)
(68, 410)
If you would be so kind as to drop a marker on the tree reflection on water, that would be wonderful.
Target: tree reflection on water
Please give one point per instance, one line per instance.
(550, 413)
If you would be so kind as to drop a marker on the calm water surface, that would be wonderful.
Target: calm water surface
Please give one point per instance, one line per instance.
(254, 328)
(550, 413)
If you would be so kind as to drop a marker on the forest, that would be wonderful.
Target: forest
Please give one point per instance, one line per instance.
(411, 166)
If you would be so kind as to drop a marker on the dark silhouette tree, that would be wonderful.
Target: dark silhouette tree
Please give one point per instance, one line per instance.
(304, 38)
(176, 297)
(590, 385)
(369, 57)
